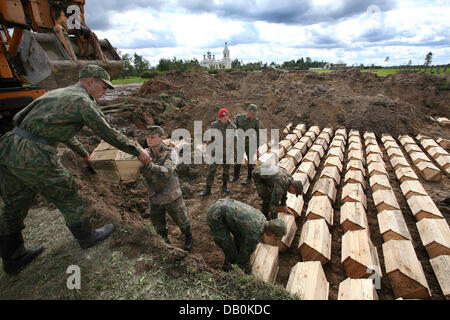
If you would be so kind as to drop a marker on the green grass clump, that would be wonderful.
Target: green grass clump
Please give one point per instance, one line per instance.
(129, 80)
(324, 71)
(107, 274)
(444, 86)
(382, 72)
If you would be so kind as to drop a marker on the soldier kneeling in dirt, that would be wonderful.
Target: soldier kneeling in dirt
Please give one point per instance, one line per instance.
(164, 186)
(247, 225)
(273, 190)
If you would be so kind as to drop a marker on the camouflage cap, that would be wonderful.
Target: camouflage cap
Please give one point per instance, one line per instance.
(155, 130)
(298, 185)
(253, 108)
(277, 227)
(94, 71)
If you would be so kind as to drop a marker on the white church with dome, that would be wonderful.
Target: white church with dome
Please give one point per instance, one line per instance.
(209, 60)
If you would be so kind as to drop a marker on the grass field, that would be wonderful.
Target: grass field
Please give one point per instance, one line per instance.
(129, 80)
(382, 72)
(324, 71)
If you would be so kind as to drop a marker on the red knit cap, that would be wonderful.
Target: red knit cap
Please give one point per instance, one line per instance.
(223, 112)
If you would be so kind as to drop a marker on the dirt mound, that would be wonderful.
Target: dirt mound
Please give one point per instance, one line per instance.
(155, 86)
(400, 103)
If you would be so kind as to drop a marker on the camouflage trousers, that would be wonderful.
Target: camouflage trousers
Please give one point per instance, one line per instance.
(212, 172)
(177, 210)
(20, 186)
(233, 246)
(237, 166)
(266, 195)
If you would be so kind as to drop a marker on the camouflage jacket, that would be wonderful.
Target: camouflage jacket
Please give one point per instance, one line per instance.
(223, 129)
(244, 222)
(59, 115)
(273, 188)
(243, 122)
(161, 176)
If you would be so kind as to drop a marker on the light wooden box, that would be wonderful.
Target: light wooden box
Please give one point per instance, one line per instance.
(113, 165)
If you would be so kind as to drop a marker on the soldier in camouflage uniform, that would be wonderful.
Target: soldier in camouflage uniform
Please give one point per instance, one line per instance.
(223, 124)
(246, 122)
(273, 190)
(246, 224)
(164, 186)
(29, 163)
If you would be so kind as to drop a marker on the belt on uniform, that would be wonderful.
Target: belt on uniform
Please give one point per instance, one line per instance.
(223, 208)
(34, 137)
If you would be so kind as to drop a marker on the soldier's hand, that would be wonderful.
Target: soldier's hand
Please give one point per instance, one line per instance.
(145, 157)
(88, 165)
(287, 210)
(86, 161)
(143, 169)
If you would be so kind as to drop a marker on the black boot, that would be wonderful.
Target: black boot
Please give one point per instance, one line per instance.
(229, 261)
(165, 236)
(206, 192)
(247, 181)
(265, 209)
(247, 268)
(188, 241)
(227, 267)
(88, 237)
(225, 188)
(14, 254)
(237, 171)
(249, 177)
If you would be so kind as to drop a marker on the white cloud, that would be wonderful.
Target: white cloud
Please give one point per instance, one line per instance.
(405, 30)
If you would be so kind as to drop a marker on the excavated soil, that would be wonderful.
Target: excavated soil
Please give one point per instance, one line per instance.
(397, 104)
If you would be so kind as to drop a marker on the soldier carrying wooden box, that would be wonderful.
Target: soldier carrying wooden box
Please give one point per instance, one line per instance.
(29, 163)
(164, 186)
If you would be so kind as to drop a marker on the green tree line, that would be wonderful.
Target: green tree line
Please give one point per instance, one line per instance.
(303, 64)
(137, 66)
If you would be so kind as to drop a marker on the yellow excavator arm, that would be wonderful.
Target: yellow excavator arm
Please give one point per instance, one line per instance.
(46, 43)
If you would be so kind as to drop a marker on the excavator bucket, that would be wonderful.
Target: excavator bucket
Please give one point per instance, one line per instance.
(45, 63)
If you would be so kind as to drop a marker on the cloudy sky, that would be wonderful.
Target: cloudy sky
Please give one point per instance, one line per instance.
(352, 31)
